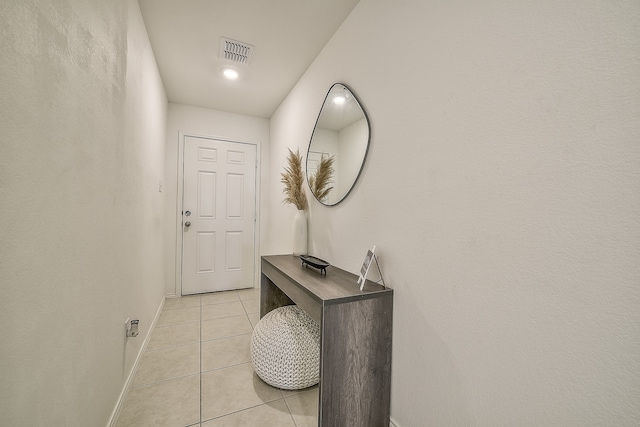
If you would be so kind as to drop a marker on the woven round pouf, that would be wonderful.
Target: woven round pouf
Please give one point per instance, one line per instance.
(285, 348)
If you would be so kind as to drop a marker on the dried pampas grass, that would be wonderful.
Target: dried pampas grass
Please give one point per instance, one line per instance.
(320, 182)
(293, 178)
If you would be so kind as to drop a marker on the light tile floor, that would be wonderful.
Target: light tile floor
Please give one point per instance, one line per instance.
(197, 370)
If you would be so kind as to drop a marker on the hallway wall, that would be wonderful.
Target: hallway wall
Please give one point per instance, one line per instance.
(502, 190)
(83, 119)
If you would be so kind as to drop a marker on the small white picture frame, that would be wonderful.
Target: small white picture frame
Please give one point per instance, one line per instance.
(365, 267)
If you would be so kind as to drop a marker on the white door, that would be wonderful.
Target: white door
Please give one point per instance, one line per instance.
(218, 215)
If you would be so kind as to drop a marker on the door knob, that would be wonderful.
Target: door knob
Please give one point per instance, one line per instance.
(187, 224)
(187, 213)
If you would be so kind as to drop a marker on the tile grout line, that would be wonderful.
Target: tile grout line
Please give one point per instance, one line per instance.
(227, 336)
(226, 367)
(247, 316)
(201, 355)
(164, 381)
(246, 409)
(154, 350)
(289, 409)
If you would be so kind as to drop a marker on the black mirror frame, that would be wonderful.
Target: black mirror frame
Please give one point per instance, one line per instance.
(366, 151)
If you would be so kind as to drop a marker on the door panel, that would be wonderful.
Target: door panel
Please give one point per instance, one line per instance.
(235, 196)
(219, 191)
(234, 251)
(206, 195)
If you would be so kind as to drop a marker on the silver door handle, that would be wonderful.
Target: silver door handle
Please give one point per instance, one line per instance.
(187, 224)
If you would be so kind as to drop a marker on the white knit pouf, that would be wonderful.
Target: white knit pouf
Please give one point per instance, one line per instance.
(285, 348)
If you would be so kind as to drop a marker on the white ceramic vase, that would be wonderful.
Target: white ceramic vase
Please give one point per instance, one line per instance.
(300, 233)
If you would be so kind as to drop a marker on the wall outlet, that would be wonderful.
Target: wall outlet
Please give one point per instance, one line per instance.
(132, 327)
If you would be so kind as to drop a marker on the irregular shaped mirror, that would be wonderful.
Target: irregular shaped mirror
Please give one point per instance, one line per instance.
(338, 146)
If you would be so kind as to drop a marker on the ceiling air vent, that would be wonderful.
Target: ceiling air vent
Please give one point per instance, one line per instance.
(233, 50)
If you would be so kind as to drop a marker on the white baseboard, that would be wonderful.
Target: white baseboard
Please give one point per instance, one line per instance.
(392, 423)
(127, 385)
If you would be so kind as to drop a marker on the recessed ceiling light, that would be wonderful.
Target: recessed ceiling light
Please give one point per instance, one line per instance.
(230, 73)
(339, 99)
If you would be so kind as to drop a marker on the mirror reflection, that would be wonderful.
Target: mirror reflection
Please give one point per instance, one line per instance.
(338, 146)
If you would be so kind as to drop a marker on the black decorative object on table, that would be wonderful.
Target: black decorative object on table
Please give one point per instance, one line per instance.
(315, 262)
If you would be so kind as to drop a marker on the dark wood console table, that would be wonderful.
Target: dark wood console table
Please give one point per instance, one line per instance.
(356, 331)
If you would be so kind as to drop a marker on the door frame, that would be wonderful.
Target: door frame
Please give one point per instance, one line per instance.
(179, 185)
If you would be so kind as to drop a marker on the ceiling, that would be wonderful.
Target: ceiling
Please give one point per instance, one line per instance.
(287, 35)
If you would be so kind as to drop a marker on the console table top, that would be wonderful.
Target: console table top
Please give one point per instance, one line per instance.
(336, 284)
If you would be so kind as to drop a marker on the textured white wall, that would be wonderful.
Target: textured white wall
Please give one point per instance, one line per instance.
(502, 190)
(83, 119)
(184, 119)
